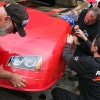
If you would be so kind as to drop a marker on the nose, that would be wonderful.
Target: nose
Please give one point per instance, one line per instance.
(86, 20)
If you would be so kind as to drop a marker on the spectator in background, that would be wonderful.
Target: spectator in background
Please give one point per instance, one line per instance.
(91, 5)
(98, 4)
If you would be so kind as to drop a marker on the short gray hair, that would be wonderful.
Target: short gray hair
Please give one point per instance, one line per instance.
(96, 11)
(3, 30)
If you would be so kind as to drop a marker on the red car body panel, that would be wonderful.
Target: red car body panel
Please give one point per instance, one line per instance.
(46, 36)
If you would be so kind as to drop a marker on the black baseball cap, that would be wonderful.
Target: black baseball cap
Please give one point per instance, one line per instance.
(19, 16)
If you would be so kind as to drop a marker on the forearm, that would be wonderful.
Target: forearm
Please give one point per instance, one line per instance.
(88, 44)
(5, 74)
(85, 47)
(66, 55)
(14, 78)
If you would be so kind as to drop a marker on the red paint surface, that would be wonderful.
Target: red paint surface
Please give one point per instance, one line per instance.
(46, 36)
(94, 1)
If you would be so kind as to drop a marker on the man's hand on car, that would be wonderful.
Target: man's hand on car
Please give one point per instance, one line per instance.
(70, 39)
(17, 80)
(75, 39)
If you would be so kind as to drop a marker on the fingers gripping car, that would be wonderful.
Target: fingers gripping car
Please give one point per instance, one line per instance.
(36, 57)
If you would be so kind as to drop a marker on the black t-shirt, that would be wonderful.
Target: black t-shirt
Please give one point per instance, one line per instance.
(91, 31)
(88, 69)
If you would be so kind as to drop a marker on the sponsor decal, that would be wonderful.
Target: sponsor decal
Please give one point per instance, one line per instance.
(76, 58)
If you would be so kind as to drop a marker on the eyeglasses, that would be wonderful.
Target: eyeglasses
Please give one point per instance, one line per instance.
(14, 30)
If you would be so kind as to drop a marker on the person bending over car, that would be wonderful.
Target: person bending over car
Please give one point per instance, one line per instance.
(13, 18)
(88, 69)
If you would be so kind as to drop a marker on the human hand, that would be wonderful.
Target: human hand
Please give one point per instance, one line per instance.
(17, 80)
(70, 39)
(76, 27)
(75, 38)
(81, 34)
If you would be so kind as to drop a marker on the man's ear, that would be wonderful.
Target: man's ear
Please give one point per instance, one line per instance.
(96, 48)
(7, 19)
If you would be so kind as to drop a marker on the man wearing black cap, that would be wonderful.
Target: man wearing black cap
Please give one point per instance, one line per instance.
(13, 18)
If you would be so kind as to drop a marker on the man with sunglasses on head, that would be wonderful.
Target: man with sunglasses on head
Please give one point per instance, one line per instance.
(13, 18)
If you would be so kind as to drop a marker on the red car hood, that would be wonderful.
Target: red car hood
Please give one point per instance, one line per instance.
(43, 31)
(46, 36)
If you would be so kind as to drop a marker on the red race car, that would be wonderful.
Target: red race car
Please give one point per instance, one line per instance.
(37, 57)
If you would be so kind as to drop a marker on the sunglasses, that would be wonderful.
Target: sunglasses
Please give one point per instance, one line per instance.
(14, 30)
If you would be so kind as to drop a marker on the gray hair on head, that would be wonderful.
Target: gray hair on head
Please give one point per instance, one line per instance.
(96, 11)
(3, 30)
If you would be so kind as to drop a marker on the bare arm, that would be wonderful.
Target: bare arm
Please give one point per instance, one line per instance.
(14, 78)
